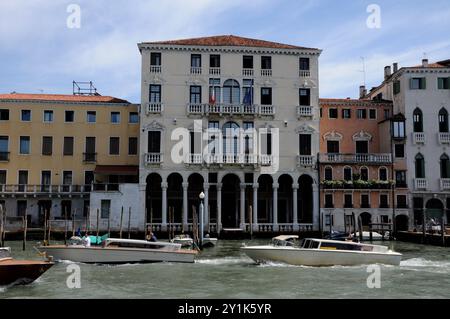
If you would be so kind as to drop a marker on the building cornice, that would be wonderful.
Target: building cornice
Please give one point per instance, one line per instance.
(64, 102)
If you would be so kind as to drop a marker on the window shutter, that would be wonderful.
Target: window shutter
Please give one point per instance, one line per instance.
(411, 83)
(424, 83)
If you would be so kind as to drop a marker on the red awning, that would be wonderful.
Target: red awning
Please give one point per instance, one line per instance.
(116, 170)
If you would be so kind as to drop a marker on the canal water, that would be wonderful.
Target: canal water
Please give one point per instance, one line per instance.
(225, 272)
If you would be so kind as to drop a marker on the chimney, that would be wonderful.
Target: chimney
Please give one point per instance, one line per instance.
(425, 63)
(387, 72)
(395, 67)
(362, 91)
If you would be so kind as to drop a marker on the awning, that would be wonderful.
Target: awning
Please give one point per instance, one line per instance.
(116, 170)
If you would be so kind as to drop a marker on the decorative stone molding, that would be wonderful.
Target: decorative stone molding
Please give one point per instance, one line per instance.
(305, 128)
(333, 136)
(153, 126)
(362, 136)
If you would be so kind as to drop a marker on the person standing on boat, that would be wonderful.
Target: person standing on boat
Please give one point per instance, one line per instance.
(87, 240)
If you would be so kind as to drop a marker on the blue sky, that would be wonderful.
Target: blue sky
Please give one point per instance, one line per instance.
(38, 53)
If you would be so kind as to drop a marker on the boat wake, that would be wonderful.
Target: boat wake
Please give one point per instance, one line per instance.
(422, 262)
(280, 265)
(224, 261)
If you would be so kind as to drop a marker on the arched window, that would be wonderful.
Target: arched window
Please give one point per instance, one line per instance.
(230, 133)
(348, 173)
(364, 173)
(443, 121)
(328, 173)
(231, 92)
(418, 120)
(383, 174)
(420, 166)
(445, 166)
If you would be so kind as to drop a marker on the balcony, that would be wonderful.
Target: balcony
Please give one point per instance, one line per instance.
(305, 160)
(356, 158)
(4, 156)
(444, 138)
(420, 183)
(445, 184)
(25, 189)
(356, 184)
(154, 108)
(266, 160)
(231, 159)
(266, 110)
(155, 69)
(196, 70)
(90, 157)
(247, 72)
(304, 73)
(153, 158)
(214, 71)
(304, 111)
(229, 109)
(419, 138)
(194, 159)
(266, 72)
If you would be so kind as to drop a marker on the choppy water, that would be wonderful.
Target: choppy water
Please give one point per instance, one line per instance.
(225, 272)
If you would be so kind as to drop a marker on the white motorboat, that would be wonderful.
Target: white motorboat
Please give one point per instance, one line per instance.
(209, 242)
(183, 240)
(321, 252)
(375, 236)
(119, 251)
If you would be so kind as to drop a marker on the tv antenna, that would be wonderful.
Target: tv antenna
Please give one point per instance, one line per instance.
(84, 88)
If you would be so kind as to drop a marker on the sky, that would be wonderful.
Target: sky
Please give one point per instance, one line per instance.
(39, 53)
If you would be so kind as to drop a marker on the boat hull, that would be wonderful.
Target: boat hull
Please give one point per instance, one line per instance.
(116, 255)
(319, 257)
(22, 272)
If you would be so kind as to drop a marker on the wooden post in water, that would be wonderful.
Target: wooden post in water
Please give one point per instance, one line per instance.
(443, 231)
(145, 224)
(65, 226)
(121, 223)
(250, 212)
(173, 222)
(2, 227)
(194, 226)
(73, 222)
(370, 234)
(331, 224)
(45, 227)
(354, 225)
(170, 224)
(109, 224)
(424, 231)
(98, 224)
(25, 226)
(345, 224)
(360, 228)
(129, 222)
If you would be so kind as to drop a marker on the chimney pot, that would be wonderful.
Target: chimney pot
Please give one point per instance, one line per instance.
(395, 67)
(362, 91)
(387, 72)
(425, 63)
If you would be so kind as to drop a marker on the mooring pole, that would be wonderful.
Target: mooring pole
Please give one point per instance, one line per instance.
(424, 231)
(98, 225)
(65, 226)
(45, 226)
(2, 227)
(129, 222)
(443, 230)
(121, 223)
(25, 225)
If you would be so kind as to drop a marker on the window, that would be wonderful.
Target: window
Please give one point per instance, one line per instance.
(2, 177)
(231, 92)
(365, 203)
(133, 118)
(88, 177)
(68, 146)
(348, 200)
(346, 113)
(328, 174)
(46, 180)
(106, 208)
(90, 149)
(4, 115)
(214, 61)
(91, 116)
(132, 146)
(213, 129)
(332, 147)
(266, 62)
(361, 113)
(266, 96)
(24, 147)
(400, 178)
(214, 91)
(247, 62)
(305, 144)
(48, 116)
(154, 142)
(115, 117)
(114, 145)
(4, 148)
(329, 201)
(320, 112)
(417, 84)
(443, 83)
(329, 221)
(396, 87)
(304, 64)
(155, 93)
(364, 174)
(333, 113)
(195, 94)
(25, 115)
(384, 201)
(196, 61)
(418, 120)
(305, 97)
(247, 91)
(248, 139)
(383, 174)
(362, 147)
(401, 201)
(373, 114)
(445, 166)
(155, 59)
(387, 114)
(398, 129)
(21, 208)
(47, 145)
(23, 180)
(399, 150)
(69, 116)
(347, 173)
(443, 121)
(67, 178)
(420, 166)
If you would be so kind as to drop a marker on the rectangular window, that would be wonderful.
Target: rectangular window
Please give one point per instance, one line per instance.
(361, 113)
(247, 62)
(21, 208)
(90, 154)
(333, 113)
(332, 147)
(362, 147)
(68, 146)
(47, 145)
(132, 146)
(154, 142)
(247, 91)
(69, 116)
(48, 116)
(196, 60)
(91, 116)
(24, 147)
(266, 62)
(304, 64)
(2, 177)
(387, 114)
(214, 91)
(4, 148)
(155, 93)
(348, 201)
(46, 180)
(329, 220)
(4, 115)
(305, 144)
(400, 178)
(214, 61)
(373, 114)
(115, 117)
(25, 116)
(396, 87)
(67, 178)
(328, 200)
(399, 150)
(346, 113)
(401, 201)
(365, 201)
(417, 83)
(195, 94)
(88, 177)
(266, 96)
(133, 118)
(384, 201)
(155, 59)
(23, 180)
(398, 128)
(305, 97)
(106, 208)
(114, 145)
(443, 83)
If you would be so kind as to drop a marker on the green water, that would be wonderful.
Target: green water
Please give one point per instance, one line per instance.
(225, 272)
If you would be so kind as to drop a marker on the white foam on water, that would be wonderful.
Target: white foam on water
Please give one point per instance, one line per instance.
(223, 261)
(281, 265)
(422, 262)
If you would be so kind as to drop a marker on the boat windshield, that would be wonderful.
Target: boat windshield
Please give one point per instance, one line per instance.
(309, 244)
(345, 246)
(283, 242)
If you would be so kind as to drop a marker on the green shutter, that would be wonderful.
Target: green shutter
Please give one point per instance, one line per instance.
(440, 83)
(448, 83)
(423, 84)
(411, 83)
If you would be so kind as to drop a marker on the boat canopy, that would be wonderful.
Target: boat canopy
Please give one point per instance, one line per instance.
(286, 237)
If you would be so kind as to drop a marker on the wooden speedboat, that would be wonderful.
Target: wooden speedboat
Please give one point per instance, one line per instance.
(121, 251)
(321, 252)
(183, 240)
(20, 272)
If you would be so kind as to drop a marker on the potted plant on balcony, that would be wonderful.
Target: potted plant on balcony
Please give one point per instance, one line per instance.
(348, 184)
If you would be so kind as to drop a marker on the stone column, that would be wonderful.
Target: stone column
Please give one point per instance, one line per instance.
(316, 209)
(164, 206)
(219, 207)
(255, 207)
(242, 209)
(275, 206)
(206, 206)
(294, 207)
(185, 206)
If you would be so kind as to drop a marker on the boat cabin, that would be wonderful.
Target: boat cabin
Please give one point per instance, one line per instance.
(285, 240)
(140, 244)
(310, 243)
